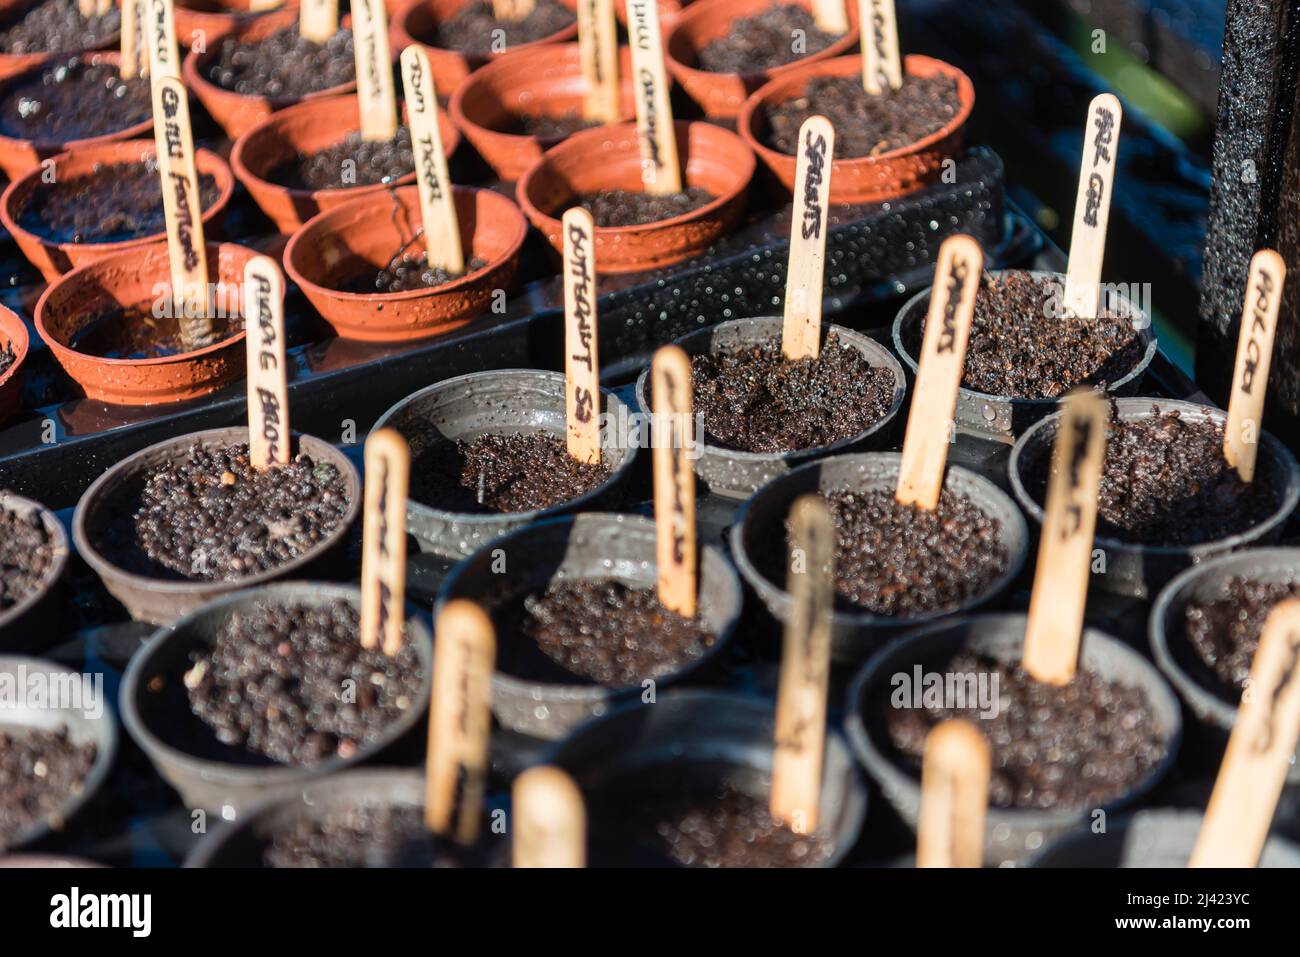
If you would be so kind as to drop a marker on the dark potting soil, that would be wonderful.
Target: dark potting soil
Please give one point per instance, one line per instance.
(7, 357)
(765, 40)
(626, 207)
(212, 517)
(75, 100)
(39, 771)
(474, 29)
(609, 633)
(903, 561)
(865, 125)
(363, 835)
(1080, 745)
(757, 400)
(556, 127)
(372, 163)
(137, 333)
(111, 205)
(26, 552)
(283, 64)
(405, 271)
(56, 26)
(1225, 629)
(502, 473)
(276, 682)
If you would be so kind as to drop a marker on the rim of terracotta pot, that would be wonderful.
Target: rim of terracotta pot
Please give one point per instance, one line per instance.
(791, 84)
(624, 139)
(13, 332)
(343, 113)
(217, 23)
(11, 64)
(17, 193)
(403, 37)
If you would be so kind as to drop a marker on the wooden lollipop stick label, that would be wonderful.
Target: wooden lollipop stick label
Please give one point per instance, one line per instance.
(550, 820)
(460, 720)
(268, 390)
(954, 797)
(160, 35)
(831, 16)
(938, 377)
(1254, 356)
(654, 115)
(135, 59)
(261, 6)
(598, 49)
(674, 479)
(375, 95)
(805, 668)
(318, 20)
(86, 8)
(513, 10)
(1259, 752)
(383, 541)
(802, 326)
(437, 204)
(1060, 592)
(882, 64)
(581, 358)
(1092, 207)
(186, 250)
(102, 7)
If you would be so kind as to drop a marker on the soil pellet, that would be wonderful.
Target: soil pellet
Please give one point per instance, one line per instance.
(626, 207)
(291, 682)
(756, 400)
(73, 100)
(474, 28)
(113, 204)
(865, 125)
(405, 272)
(765, 40)
(283, 64)
(39, 771)
(1225, 629)
(502, 473)
(56, 26)
(363, 835)
(353, 161)
(140, 333)
(26, 553)
(1080, 745)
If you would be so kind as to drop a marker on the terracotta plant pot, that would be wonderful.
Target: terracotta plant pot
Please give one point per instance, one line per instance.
(723, 94)
(863, 179)
(18, 157)
(417, 21)
(609, 158)
(544, 81)
(132, 279)
(237, 113)
(213, 20)
(308, 128)
(376, 228)
(52, 258)
(13, 335)
(11, 64)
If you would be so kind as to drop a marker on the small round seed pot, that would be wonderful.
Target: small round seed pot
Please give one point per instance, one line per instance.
(23, 627)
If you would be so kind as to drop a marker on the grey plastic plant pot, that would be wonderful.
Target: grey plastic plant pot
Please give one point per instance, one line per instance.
(88, 721)
(1011, 834)
(158, 601)
(187, 754)
(244, 841)
(1004, 417)
(574, 548)
(1140, 571)
(692, 741)
(506, 402)
(736, 474)
(1156, 838)
(1208, 698)
(21, 625)
(758, 539)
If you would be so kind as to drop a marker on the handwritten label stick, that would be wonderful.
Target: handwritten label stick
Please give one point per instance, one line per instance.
(581, 352)
(805, 668)
(160, 36)
(512, 10)
(1260, 749)
(437, 203)
(654, 114)
(801, 329)
(460, 721)
(318, 20)
(674, 479)
(831, 16)
(375, 95)
(882, 63)
(86, 8)
(129, 64)
(598, 50)
(383, 541)
(102, 7)
(1060, 593)
(550, 819)
(268, 390)
(1254, 356)
(938, 377)
(1092, 207)
(954, 797)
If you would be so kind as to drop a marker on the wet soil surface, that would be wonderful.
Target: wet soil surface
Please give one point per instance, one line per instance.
(26, 553)
(39, 771)
(473, 28)
(363, 835)
(138, 333)
(405, 272)
(623, 207)
(74, 100)
(372, 163)
(283, 64)
(56, 26)
(7, 357)
(546, 127)
(766, 40)
(1224, 630)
